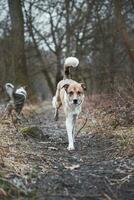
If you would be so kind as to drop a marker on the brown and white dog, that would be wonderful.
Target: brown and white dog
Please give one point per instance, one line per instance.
(70, 95)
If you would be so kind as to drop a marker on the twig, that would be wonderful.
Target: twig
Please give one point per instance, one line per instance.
(106, 196)
(81, 127)
(108, 185)
(13, 186)
(56, 196)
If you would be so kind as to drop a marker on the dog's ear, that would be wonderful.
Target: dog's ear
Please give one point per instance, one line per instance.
(83, 86)
(25, 87)
(65, 86)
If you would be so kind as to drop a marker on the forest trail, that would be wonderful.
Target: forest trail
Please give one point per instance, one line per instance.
(43, 169)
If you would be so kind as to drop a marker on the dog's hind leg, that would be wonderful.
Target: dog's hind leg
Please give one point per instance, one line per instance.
(56, 114)
(56, 105)
(74, 122)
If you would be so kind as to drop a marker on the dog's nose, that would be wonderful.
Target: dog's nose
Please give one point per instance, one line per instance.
(75, 101)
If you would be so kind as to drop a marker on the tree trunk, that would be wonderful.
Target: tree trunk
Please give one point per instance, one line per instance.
(121, 26)
(67, 6)
(17, 35)
(59, 67)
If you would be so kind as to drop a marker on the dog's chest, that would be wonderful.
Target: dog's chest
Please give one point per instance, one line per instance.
(73, 110)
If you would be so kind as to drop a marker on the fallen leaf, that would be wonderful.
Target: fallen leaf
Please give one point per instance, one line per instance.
(72, 167)
(52, 148)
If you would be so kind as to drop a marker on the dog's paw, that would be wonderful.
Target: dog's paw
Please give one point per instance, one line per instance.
(56, 117)
(70, 148)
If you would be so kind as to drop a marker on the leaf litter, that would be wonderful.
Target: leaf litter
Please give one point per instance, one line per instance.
(42, 168)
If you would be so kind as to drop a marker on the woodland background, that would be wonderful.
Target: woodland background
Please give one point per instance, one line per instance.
(36, 36)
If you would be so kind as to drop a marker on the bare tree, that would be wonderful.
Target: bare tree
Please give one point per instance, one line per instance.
(98, 32)
(121, 26)
(42, 71)
(17, 35)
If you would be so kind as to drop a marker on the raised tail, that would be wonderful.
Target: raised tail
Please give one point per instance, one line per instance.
(9, 90)
(70, 62)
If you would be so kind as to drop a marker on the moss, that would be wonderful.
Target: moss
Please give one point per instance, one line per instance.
(32, 132)
(114, 124)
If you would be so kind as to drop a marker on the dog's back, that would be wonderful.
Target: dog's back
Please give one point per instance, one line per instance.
(19, 97)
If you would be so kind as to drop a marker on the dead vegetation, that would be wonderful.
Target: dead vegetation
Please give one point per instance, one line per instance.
(113, 115)
(34, 162)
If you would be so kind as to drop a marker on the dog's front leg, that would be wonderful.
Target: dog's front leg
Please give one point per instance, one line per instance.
(70, 123)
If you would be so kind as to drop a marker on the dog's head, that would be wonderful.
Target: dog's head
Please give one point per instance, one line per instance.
(75, 93)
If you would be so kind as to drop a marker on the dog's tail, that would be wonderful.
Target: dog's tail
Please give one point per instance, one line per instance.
(70, 62)
(9, 90)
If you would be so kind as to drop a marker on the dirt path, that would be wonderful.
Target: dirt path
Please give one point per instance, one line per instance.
(93, 171)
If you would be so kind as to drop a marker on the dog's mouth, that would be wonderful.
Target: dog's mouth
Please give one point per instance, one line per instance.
(75, 103)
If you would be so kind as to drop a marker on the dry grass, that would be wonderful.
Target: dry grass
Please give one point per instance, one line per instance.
(18, 158)
(114, 117)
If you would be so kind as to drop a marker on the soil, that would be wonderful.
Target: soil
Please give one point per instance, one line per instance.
(94, 170)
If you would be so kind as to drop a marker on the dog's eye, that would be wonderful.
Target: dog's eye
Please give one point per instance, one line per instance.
(78, 92)
(71, 93)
